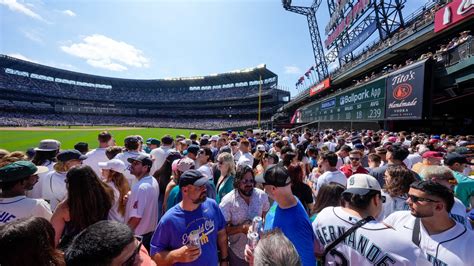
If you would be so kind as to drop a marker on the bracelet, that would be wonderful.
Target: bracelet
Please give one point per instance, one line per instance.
(225, 259)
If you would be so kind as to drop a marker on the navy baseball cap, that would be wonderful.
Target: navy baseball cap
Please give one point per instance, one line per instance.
(277, 176)
(454, 157)
(145, 160)
(153, 141)
(192, 177)
(131, 139)
(68, 155)
(193, 149)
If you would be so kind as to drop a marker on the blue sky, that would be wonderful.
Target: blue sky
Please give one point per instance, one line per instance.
(159, 39)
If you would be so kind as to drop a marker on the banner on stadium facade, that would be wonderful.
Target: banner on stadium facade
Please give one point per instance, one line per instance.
(296, 117)
(323, 85)
(453, 13)
(340, 22)
(362, 37)
(404, 95)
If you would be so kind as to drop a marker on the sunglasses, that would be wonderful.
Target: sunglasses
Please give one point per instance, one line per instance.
(131, 260)
(220, 162)
(354, 159)
(247, 181)
(383, 198)
(415, 199)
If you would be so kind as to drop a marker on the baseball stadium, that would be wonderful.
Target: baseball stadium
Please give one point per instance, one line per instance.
(350, 145)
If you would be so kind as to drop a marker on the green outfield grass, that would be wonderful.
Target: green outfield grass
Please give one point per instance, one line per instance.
(22, 139)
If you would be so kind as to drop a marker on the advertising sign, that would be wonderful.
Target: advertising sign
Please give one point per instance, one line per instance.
(453, 13)
(363, 103)
(346, 22)
(320, 87)
(405, 93)
(362, 37)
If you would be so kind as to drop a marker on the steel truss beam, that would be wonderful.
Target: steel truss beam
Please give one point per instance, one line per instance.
(321, 67)
(386, 13)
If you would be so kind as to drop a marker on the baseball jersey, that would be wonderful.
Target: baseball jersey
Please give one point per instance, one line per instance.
(372, 244)
(23, 207)
(392, 204)
(143, 203)
(54, 188)
(331, 177)
(459, 214)
(94, 157)
(451, 247)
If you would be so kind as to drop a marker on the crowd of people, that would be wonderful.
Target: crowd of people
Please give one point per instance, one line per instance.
(139, 94)
(253, 198)
(13, 119)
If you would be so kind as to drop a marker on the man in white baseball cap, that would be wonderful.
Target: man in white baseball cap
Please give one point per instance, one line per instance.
(363, 201)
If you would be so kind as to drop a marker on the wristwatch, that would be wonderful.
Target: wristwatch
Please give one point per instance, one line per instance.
(225, 259)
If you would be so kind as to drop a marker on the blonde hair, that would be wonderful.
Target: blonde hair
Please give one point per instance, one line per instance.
(13, 157)
(60, 167)
(229, 159)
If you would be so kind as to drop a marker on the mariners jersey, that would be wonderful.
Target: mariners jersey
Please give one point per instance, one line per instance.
(392, 204)
(372, 244)
(459, 214)
(451, 247)
(22, 207)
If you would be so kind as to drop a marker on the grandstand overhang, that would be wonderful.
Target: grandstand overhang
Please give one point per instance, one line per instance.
(260, 72)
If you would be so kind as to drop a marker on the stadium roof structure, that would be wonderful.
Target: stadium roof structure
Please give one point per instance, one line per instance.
(237, 76)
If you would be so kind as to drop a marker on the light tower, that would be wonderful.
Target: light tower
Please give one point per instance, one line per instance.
(321, 66)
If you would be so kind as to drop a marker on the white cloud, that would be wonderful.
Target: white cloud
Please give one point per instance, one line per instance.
(292, 70)
(18, 7)
(103, 52)
(68, 13)
(33, 35)
(22, 57)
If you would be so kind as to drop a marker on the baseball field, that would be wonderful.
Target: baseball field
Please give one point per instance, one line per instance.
(20, 139)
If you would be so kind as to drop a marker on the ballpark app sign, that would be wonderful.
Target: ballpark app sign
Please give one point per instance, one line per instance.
(405, 93)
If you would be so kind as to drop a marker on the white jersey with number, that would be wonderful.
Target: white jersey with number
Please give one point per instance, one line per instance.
(18, 207)
(451, 247)
(372, 244)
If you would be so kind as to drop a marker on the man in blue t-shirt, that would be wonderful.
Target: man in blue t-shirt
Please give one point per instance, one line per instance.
(194, 214)
(290, 215)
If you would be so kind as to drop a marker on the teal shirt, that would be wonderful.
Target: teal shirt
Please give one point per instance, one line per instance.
(464, 189)
(172, 198)
(224, 188)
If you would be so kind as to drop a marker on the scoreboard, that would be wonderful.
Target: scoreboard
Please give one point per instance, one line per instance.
(366, 102)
